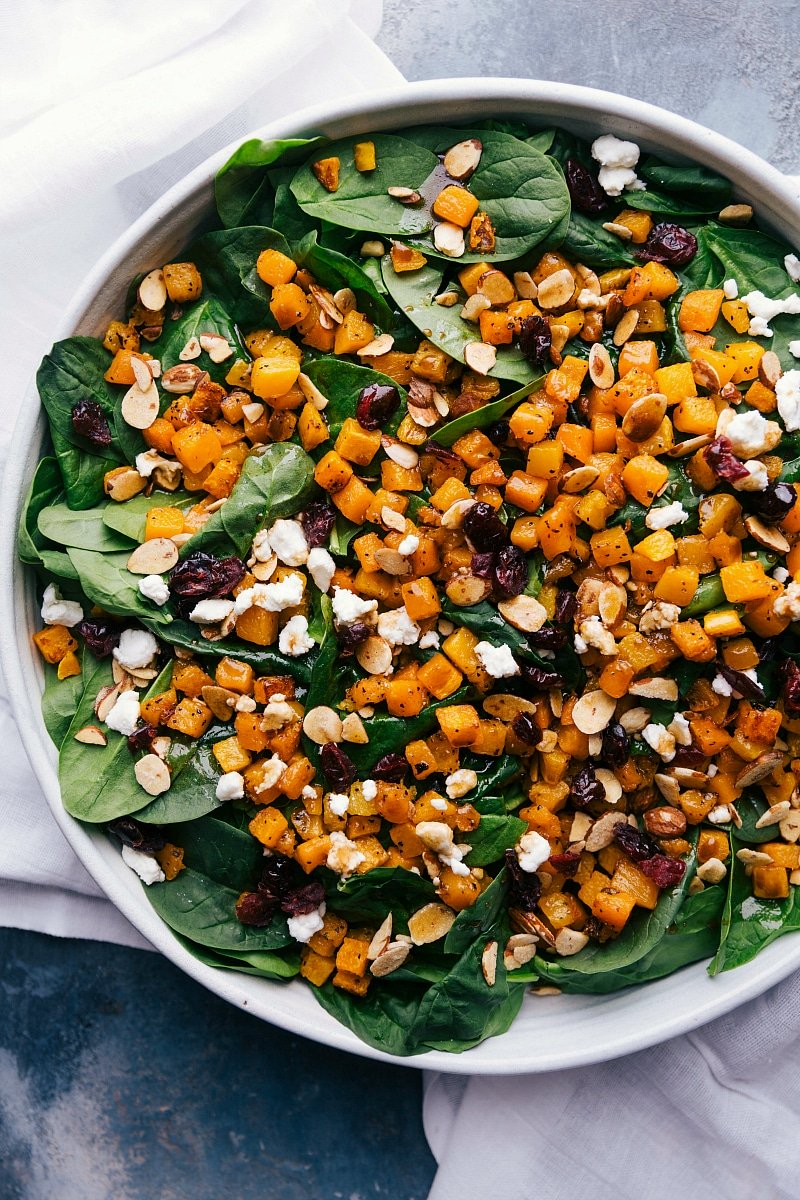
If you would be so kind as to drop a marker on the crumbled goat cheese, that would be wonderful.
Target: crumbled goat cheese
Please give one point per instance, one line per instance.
(497, 661)
(245, 704)
(788, 605)
(437, 836)
(719, 815)
(763, 310)
(272, 772)
(274, 597)
(758, 327)
(303, 928)
(660, 739)
(338, 803)
(594, 633)
(787, 390)
(294, 638)
(348, 607)
(145, 866)
(208, 612)
(262, 551)
(137, 648)
(56, 611)
(321, 567)
(309, 792)
(731, 289)
(277, 713)
(409, 545)
(756, 479)
(460, 782)
(720, 685)
(794, 349)
(792, 264)
(438, 803)
(580, 645)
(679, 728)
(124, 716)
(780, 575)
(397, 628)
(617, 160)
(658, 614)
(750, 434)
(666, 515)
(230, 786)
(429, 640)
(369, 789)
(288, 541)
(532, 851)
(154, 588)
(344, 856)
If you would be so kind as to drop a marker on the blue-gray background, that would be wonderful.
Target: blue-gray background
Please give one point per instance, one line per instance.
(119, 1078)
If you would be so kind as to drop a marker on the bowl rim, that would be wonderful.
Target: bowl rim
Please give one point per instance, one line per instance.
(416, 101)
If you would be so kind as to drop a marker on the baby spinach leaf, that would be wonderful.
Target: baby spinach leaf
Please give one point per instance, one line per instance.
(106, 580)
(483, 417)
(385, 889)
(33, 548)
(710, 592)
(342, 535)
(586, 241)
(219, 851)
(492, 838)
(82, 529)
(206, 316)
(244, 186)
(699, 182)
(383, 1018)
(266, 964)
(130, 517)
(227, 261)
(486, 622)
(340, 382)
(195, 772)
(264, 659)
(480, 918)
(751, 806)
(335, 271)
(749, 923)
(60, 699)
(669, 206)
(204, 911)
(495, 776)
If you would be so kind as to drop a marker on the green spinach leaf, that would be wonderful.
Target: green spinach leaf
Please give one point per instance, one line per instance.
(244, 186)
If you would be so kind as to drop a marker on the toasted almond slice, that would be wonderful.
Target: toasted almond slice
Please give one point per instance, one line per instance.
(505, 706)
(253, 411)
(311, 392)
(525, 285)
(602, 832)
(426, 417)
(612, 604)
(405, 195)
(690, 446)
(322, 725)
(91, 735)
(153, 291)
(191, 350)
(601, 368)
(380, 939)
(398, 452)
(644, 417)
(345, 300)
(612, 786)
(736, 214)
(160, 746)
(461, 161)
(182, 379)
(372, 249)
(489, 963)
(326, 302)
(762, 768)
(152, 774)
(153, 557)
(480, 357)
(220, 700)
(620, 231)
(217, 347)
(466, 590)
(524, 613)
(374, 655)
(447, 299)
(654, 688)
(106, 699)
(382, 344)
(705, 375)
(753, 858)
(769, 369)
(141, 373)
(430, 923)
(392, 562)
(556, 290)
(139, 406)
(767, 535)
(593, 711)
(474, 306)
(392, 519)
(393, 957)
(453, 517)
(578, 479)
(528, 922)
(626, 327)
(688, 777)
(570, 941)
(353, 730)
(449, 239)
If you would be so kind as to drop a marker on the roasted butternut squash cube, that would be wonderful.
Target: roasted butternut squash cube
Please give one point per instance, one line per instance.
(770, 883)
(355, 332)
(700, 309)
(273, 375)
(315, 967)
(197, 446)
(353, 500)
(268, 826)
(231, 754)
(459, 723)
(643, 477)
(745, 581)
(258, 626)
(456, 204)
(405, 697)
(191, 716)
(356, 444)
(628, 878)
(421, 599)
(54, 642)
(613, 907)
(275, 268)
(610, 547)
(562, 910)
(352, 956)
(713, 843)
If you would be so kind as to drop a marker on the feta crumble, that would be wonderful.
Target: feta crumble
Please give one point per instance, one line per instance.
(145, 866)
(617, 159)
(271, 774)
(137, 648)
(461, 782)
(720, 685)
(56, 611)
(369, 789)
(230, 786)
(794, 349)
(792, 264)
(409, 545)
(679, 728)
(750, 434)
(154, 588)
(429, 640)
(344, 856)
(532, 851)
(124, 716)
(756, 479)
(497, 661)
(294, 639)
(321, 567)
(788, 605)
(208, 612)
(274, 597)
(787, 390)
(397, 628)
(304, 927)
(288, 541)
(731, 289)
(348, 607)
(763, 310)
(660, 739)
(666, 515)
(338, 803)
(593, 632)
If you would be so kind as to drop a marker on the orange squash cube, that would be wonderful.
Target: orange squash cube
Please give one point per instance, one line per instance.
(644, 476)
(613, 907)
(421, 599)
(275, 268)
(268, 826)
(356, 444)
(439, 676)
(642, 355)
(653, 281)
(355, 332)
(456, 204)
(610, 547)
(353, 500)
(459, 723)
(700, 309)
(745, 581)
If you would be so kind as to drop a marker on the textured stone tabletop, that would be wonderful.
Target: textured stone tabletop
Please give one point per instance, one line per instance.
(120, 1079)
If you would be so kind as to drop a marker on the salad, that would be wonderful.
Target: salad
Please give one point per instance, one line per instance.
(420, 562)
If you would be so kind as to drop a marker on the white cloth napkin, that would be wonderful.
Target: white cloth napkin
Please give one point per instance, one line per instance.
(105, 106)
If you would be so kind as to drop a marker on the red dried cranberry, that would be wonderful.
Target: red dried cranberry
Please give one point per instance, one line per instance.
(100, 637)
(616, 748)
(584, 188)
(89, 421)
(482, 565)
(350, 637)
(586, 788)
(549, 637)
(510, 572)
(566, 604)
(670, 244)
(791, 686)
(255, 908)
(534, 340)
(746, 687)
(376, 405)
(566, 864)
(773, 503)
(498, 432)
(665, 872)
(392, 768)
(485, 530)
(637, 845)
(279, 875)
(338, 768)
(525, 888)
(317, 521)
(689, 756)
(201, 576)
(137, 835)
(142, 738)
(539, 678)
(723, 462)
(304, 899)
(526, 728)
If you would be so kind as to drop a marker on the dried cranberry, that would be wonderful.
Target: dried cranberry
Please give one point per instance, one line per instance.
(665, 872)
(534, 340)
(338, 768)
(89, 421)
(201, 576)
(748, 688)
(317, 521)
(773, 503)
(137, 835)
(791, 686)
(566, 864)
(526, 728)
(498, 432)
(376, 405)
(525, 888)
(616, 748)
(539, 677)
(279, 875)
(670, 244)
(392, 768)
(255, 908)
(586, 788)
(351, 636)
(689, 756)
(584, 188)
(510, 572)
(566, 604)
(549, 637)
(485, 530)
(637, 845)
(303, 899)
(723, 462)
(482, 565)
(100, 636)
(142, 738)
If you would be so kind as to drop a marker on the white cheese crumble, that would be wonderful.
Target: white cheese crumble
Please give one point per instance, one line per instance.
(208, 612)
(720, 685)
(429, 640)
(719, 815)
(348, 607)
(532, 851)
(580, 645)
(144, 865)
(294, 639)
(321, 567)
(679, 728)
(344, 856)
(409, 545)
(338, 803)
(617, 160)
(788, 605)
(262, 551)
(274, 597)
(497, 661)
(309, 792)
(794, 349)
(756, 479)
(731, 289)
(593, 632)
(154, 588)
(780, 575)
(369, 789)
(438, 803)
(304, 927)
(660, 739)
(461, 782)
(666, 515)
(658, 614)
(245, 704)
(787, 390)
(397, 628)
(230, 786)
(124, 716)
(56, 611)
(271, 774)
(763, 310)
(288, 541)
(792, 264)
(137, 648)
(750, 434)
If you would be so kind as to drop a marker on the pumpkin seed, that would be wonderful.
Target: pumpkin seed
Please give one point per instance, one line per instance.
(736, 214)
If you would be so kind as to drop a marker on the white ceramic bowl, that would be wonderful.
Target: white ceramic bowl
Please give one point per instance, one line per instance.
(549, 1033)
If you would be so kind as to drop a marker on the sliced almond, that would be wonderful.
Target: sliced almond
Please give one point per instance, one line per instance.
(497, 288)
(217, 347)
(601, 368)
(769, 369)
(380, 939)
(593, 711)
(393, 520)
(689, 777)
(626, 327)
(153, 557)
(426, 417)
(480, 357)
(153, 291)
(525, 285)
(382, 344)
(461, 161)
(489, 963)
(762, 768)
(556, 290)
(447, 299)
(181, 379)
(322, 725)
(91, 735)
(474, 306)
(392, 562)
(612, 604)
(736, 214)
(644, 417)
(398, 452)
(191, 350)
(466, 590)
(602, 832)
(578, 480)
(345, 300)
(767, 535)
(654, 688)
(570, 941)
(141, 373)
(374, 655)
(220, 700)
(311, 392)
(754, 858)
(326, 302)
(690, 446)
(611, 785)
(353, 730)
(152, 774)
(453, 517)
(430, 923)
(620, 231)
(405, 195)
(559, 336)
(528, 922)
(523, 612)
(372, 249)
(253, 412)
(106, 699)
(505, 706)
(393, 957)
(705, 375)
(449, 239)
(161, 745)
(139, 406)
